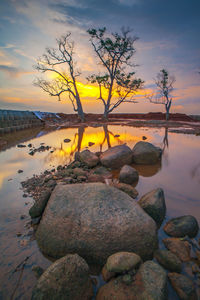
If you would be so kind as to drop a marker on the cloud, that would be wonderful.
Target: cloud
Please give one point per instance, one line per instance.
(14, 71)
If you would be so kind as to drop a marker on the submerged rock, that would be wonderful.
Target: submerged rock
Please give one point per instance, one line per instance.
(146, 153)
(95, 221)
(182, 226)
(154, 205)
(128, 175)
(117, 157)
(67, 278)
(168, 260)
(183, 286)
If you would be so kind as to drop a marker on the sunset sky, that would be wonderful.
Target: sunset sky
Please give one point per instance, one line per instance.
(169, 37)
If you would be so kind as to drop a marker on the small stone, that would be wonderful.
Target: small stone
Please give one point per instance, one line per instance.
(67, 140)
(38, 271)
(20, 171)
(21, 146)
(183, 286)
(127, 279)
(144, 137)
(24, 195)
(30, 145)
(22, 217)
(182, 226)
(117, 135)
(90, 144)
(19, 234)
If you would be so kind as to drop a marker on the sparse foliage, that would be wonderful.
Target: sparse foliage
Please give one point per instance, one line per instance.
(61, 63)
(115, 53)
(164, 87)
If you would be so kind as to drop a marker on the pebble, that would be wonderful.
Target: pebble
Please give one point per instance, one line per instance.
(20, 171)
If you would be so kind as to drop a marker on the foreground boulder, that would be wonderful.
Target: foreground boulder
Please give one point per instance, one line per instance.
(150, 283)
(128, 175)
(95, 221)
(87, 157)
(182, 226)
(146, 153)
(66, 279)
(117, 157)
(154, 205)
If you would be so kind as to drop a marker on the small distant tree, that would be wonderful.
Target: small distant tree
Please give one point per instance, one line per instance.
(61, 62)
(115, 52)
(164, 87)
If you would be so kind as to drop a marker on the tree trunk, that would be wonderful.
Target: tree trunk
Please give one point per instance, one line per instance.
(105, 115)
(80, 110)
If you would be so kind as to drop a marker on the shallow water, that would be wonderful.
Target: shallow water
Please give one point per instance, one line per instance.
(178, 174)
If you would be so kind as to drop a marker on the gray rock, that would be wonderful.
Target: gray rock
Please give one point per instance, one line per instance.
(87, 157)
(66, 279)
(168, 260)
(154, 205)
(128, 175)
(123, 261)
(150, 283)
(38, 207)
(117, 157)
(95, 221)
(183, 286)
(146, 153)
(182, 226)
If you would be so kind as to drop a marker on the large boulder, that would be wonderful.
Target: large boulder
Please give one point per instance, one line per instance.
(128, 175)
(150, 283)
(145, 153)
(117, 157)
(66, 279)
(182, 226)
(95, 221)
(154, 204)
(87, 157)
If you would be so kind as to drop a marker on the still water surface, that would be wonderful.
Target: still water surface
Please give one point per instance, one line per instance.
(178, 174)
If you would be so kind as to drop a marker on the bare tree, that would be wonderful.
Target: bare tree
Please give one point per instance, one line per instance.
(115, 53)
(60, 61)
(164, 87)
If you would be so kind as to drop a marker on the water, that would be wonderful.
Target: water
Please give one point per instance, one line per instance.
(178, 174)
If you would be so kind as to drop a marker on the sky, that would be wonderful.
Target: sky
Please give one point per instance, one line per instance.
(169, 37)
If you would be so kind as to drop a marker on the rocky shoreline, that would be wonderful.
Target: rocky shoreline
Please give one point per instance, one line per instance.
(85, 216)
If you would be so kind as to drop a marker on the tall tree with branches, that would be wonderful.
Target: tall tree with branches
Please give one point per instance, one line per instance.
(164, 87)
(61, 63)
(115, 52)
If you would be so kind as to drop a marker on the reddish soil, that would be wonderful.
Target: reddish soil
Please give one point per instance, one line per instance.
(148, 116)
